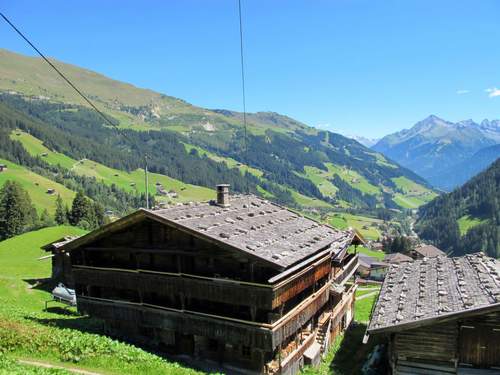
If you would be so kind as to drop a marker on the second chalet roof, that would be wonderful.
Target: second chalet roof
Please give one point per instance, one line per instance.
(429, 251)
(432, 289)
(397, 258)
(250, 224)
(259, 227)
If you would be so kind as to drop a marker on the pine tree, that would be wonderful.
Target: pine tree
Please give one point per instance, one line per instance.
(60, 217)
(81, 209)
(46, 220)
(17, 213)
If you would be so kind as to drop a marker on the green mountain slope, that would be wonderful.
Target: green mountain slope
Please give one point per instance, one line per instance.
(468, 219)
(127, 181)
(287, 160)
(37, 186)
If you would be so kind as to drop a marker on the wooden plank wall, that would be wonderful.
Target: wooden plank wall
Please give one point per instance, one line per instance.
(436, 343)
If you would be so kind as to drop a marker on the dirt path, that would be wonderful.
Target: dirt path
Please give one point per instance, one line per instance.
(48, 365)
(367, 295)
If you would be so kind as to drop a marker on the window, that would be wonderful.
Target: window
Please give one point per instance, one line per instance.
(245, 351)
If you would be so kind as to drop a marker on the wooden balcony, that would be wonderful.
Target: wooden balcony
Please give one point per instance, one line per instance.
(262, 296)
(346, 270)
(237, 331)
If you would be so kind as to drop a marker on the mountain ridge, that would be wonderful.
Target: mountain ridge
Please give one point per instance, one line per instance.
(433, 146)
(288, 158)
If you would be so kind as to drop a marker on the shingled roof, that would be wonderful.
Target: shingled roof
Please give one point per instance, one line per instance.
(250, 224)
(424, 291)
(429, 251)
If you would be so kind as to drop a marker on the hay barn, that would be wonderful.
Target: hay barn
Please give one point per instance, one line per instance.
(441, 316)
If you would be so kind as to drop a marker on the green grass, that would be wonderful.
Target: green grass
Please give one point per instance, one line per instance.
(320, 179)
(57, 336)
(36, 186)
(363, 308)
(230, 162)
(35, 147)
(380, 255)
(306, 201)
(131, 182)
(414, 195)
(467, 222)
(134, 181)
(365, 225)
(354, 179)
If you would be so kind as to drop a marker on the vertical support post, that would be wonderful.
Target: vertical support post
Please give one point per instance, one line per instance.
(146, 181)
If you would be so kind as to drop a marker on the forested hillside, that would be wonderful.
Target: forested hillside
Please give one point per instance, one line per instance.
(286, 161)
(467, 219)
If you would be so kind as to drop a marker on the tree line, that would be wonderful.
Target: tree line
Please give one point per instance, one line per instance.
(480, 199)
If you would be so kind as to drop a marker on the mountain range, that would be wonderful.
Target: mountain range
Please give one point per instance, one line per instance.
(445, 153)
(281, 158)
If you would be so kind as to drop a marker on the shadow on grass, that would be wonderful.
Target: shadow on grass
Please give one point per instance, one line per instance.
(67, 311)
(71, 319)
(46, 284)
(352, 353)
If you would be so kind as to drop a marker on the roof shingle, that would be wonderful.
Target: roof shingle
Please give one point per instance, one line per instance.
(259, 227)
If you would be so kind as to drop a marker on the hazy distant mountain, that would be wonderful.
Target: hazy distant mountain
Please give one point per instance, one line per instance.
(434, 148)
(368, 142)
(463, 171)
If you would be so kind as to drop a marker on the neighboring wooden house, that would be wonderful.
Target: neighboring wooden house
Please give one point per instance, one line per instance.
(245, 282)
(371, 268)
(441, 316)
(61, 263)
(397, 258)
(427, 251)
(3, 167)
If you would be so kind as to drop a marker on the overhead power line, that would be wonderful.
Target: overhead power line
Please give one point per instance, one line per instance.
(105, 118)
(242, 60)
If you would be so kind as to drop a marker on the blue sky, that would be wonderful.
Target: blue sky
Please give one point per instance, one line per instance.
(356, 66)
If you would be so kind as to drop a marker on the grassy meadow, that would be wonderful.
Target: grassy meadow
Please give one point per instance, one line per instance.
(58, 336)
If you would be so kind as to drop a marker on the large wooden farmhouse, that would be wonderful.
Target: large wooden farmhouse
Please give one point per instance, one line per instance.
(244, 283)
(441, 316)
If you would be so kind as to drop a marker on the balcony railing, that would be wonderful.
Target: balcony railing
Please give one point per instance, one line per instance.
(347, 269)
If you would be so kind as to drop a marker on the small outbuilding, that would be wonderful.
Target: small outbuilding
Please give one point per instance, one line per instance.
(441, 316)
(3, 167)
(397, 258)
(427, 251)
(371, 268)
(61, 263)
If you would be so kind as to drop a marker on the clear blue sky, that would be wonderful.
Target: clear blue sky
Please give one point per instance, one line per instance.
(358, 66)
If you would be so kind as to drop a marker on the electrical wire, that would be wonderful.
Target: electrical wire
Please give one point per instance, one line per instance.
(242, 60)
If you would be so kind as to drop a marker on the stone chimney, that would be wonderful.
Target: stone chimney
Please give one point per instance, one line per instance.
(223, 195)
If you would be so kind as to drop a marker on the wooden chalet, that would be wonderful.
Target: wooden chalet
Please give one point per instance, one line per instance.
(246, 283)
(441, 316)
